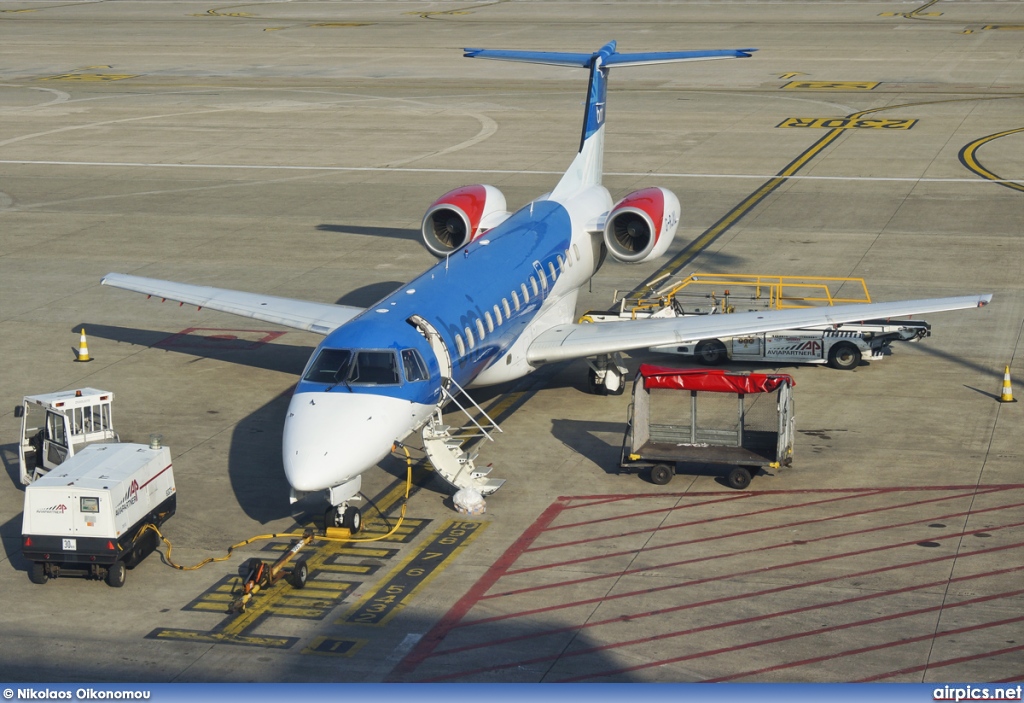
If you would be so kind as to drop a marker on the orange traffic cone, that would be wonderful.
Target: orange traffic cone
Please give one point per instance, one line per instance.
(83, 349)
(1007, 395)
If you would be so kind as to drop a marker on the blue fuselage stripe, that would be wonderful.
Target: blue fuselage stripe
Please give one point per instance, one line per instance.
(455, 293)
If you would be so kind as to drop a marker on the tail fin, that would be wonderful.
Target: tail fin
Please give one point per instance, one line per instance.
(586, 169)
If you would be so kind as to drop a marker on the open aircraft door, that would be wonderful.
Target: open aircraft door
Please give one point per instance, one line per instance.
(787, 425)
(444, 359)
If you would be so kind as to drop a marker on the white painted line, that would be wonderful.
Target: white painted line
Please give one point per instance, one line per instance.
(386, 169)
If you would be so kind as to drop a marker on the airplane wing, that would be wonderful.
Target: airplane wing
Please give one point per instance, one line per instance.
(572, 341)
(299, 314)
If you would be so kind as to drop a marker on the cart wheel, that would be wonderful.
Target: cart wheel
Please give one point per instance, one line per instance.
(116, 574)
(299, 575)
(710, 352)
(739, 478)
(844, 356)
(37, 573)
(661, 474)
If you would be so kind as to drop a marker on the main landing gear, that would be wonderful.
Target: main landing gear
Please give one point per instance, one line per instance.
(607, 375)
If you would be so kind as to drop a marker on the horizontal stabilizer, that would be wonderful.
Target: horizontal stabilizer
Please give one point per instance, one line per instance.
(608, 59)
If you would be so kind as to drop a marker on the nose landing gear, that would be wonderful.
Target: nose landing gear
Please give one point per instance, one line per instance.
(344, 515)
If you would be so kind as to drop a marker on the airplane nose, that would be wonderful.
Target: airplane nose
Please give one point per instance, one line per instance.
(331, 437)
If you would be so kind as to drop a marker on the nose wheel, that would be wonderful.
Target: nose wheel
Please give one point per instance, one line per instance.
(347, 516)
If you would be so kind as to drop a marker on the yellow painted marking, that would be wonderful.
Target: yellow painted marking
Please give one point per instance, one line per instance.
(367, 552)
(321, 589)
(211, 605)
(968, 158)
(831, 85)
(221, 637)
(414, 572)
(89, 77)
(218, 13)
(331, 647)
(428, 15)
(347, 568)
(787, 76)
(844, 123)
(294, 611)
(752, 200)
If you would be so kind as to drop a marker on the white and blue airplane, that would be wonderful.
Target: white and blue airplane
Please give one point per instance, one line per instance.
(500, 304)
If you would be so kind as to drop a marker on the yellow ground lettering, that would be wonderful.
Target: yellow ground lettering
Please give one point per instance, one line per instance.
(831, 85)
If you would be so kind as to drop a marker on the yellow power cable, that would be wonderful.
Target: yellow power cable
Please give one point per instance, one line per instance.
(167, 557)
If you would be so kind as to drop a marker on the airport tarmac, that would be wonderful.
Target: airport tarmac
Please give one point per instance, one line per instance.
(292, 148)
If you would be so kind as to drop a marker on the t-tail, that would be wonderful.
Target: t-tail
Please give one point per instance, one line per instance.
(587, 167)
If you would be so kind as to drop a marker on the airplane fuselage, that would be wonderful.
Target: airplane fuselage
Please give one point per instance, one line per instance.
(470, 318)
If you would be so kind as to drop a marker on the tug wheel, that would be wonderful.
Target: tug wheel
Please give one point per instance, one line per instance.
(116, 574)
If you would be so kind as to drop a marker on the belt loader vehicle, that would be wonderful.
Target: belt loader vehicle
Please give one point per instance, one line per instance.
(88, 516)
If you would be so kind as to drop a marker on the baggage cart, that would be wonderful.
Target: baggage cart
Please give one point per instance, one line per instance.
(679, 416)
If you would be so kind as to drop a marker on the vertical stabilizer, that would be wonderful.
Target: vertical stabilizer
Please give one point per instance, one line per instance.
(587, 168)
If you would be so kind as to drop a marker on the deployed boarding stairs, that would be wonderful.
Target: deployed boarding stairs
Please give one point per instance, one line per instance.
(445, 449)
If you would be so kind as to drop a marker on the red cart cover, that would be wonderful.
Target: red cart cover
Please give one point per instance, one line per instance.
(717, 381)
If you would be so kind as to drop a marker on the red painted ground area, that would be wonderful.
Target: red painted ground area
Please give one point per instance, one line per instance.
(884, 584)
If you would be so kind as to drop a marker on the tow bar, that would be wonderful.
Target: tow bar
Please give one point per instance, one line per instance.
(262, 575)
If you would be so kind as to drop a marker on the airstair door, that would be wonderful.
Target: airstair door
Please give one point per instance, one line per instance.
(444, 359)
(784, 452)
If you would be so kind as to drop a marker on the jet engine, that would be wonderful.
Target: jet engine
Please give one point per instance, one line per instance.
(460, 216)
(641, 226)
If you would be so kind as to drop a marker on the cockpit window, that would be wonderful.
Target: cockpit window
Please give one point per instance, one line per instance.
(415, 369)
(330, 366)
(345, 366)
(375, 367)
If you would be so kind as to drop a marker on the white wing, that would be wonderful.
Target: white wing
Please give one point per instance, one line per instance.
(572, 341)
(299, 314)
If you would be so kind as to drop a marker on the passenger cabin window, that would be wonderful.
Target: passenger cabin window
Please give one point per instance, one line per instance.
(561, 264)
(469, 337)
(551, 266)
(508, 310)
(497, 316)
(576, 250)
(480, 329)
(533, 284)
(460, 345)
(542, 277)
(490, 322)
(415, 368)
(526, 296)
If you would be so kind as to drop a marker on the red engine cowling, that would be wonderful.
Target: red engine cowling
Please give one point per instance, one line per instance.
(642, 225)
(460, 216)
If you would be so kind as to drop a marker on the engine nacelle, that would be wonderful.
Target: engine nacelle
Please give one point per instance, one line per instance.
(460, 216)
(642, 225)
